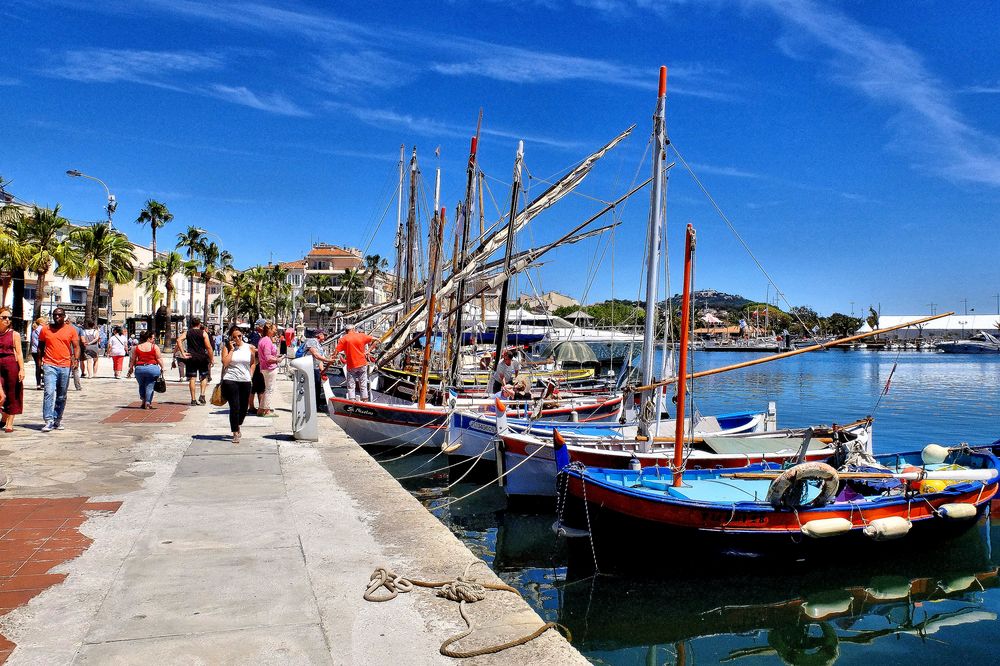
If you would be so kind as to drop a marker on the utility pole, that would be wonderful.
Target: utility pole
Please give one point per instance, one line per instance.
(997, 297)
(933, 307)
(965, 304)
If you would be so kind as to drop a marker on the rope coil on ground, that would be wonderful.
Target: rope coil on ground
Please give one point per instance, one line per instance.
(463, 590)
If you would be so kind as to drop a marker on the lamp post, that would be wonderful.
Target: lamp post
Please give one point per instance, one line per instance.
(321, 311)
(111, 206)
(125, 305)
(51, 292)
(222, 289)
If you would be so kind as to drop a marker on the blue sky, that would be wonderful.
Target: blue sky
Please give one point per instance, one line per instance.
(855, 145)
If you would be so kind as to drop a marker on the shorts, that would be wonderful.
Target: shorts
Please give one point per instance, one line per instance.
(92, 351)
(257, 381)
(196, 368)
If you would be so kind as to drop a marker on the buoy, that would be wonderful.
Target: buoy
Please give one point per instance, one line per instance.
(957, 511)
(634, 464)
(934, 454)
(826, 527)
(891, 527)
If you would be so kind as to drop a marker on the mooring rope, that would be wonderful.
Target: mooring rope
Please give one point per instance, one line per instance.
(463, 590)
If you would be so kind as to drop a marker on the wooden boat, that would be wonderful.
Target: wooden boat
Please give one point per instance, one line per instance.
(473, 434)
(530, 459)
(765, 508)
(387, 420)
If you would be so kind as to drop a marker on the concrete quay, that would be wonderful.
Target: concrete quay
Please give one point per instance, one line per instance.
(221, 554)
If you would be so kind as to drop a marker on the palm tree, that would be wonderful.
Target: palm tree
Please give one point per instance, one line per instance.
(14, 234)
(165, 268)
(375, 265)
(351, 281)
(157, 215)
(194, 240)
(47, 242)
(236, 295)
(214, 264)
(279, 286)
(258, 279)
(103, 252)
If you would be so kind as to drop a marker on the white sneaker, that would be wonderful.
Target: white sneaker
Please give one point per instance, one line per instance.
(58, 425)
(47, 427)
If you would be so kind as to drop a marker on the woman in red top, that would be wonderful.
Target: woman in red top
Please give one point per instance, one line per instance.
(147, 364)
(11, 371)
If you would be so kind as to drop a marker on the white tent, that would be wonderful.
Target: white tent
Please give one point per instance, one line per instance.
(710, 318)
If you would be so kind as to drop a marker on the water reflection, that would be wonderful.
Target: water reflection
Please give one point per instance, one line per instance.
(938, 602)
(799, 616)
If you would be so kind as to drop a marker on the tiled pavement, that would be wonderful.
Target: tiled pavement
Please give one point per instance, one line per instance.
(165, 412)
(37, 535)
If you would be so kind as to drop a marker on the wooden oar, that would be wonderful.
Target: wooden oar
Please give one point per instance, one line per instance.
(941, 475)
(794, 352)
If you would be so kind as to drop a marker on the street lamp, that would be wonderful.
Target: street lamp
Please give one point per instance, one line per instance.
(51, 292)
(321, 311)
(125, 305)
(110, 208)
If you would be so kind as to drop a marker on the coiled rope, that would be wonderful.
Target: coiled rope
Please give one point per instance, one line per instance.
(463, 590)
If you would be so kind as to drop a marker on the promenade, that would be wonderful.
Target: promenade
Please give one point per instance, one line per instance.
(148, 537)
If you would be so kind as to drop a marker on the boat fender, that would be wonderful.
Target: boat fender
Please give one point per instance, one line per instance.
(786, 491)
(799, 644)
(890, 527)
(957, 510)
(826, 527)
(957, 584)
(826, 604)
(574, 417)
(934, 454)
(634, 464)
(887, 588)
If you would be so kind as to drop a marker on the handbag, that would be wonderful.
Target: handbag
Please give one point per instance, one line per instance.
(217, 398)
(160, 385)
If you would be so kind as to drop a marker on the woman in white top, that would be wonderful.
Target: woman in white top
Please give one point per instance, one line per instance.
(118, 349)
(238, 361)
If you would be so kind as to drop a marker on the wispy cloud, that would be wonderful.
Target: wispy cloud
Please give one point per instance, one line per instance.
(926, 123)
(353, 71)
(436, 128)
(724, 171)
(519, 65)
(9, 81)
(988, 89)
(145, 67)
(170, 70)
(273, 103)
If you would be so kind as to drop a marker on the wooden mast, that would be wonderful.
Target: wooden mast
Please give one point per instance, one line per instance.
(460, 289)
(411, 235)
(399, 228)
(437, 237)
(653, 251)
(682, 354)
(501, 332)
(482, 232)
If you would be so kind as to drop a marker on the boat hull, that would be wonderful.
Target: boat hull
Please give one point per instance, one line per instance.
(372, 423)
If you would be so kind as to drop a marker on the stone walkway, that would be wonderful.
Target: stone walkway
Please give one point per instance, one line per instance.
(255, 553)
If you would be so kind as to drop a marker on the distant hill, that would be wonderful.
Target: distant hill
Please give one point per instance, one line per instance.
(710, 299)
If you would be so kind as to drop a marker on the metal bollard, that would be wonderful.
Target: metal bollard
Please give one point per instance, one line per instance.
(304, 424)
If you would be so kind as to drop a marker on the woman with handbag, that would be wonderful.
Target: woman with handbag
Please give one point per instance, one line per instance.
(147, 365)
(239, 358)
(118, 350)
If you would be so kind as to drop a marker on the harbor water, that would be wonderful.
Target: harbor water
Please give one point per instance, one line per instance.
(938, 602)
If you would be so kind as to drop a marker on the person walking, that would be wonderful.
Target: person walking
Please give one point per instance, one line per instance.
(146, 362)
(180, 355)
(311, 347)
(239, 360)
(11, 371)
(36, 328)
(59, 346)
(200, 357)
(268, 358)
(257, 382)
(91, 339)
(118, 350)
(353, 348)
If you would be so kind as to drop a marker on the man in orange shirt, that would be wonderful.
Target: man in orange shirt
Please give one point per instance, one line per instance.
(59, 350)
(353, 349)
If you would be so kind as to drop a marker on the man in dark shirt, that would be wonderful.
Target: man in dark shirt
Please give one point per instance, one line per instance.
(257, 381)
(199, 359)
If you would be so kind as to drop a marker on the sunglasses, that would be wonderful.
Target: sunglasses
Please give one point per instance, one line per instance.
(4, 318)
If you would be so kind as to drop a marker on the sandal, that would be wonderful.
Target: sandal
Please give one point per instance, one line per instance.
(236, 438)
